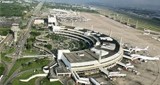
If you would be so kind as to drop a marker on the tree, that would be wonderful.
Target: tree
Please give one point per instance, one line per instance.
(48, 46)
(29, 44)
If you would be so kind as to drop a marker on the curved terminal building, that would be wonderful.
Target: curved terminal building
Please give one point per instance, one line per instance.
(102, 51)
(97, 53)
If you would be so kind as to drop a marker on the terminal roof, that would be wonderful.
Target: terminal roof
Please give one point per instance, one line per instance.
(81, 56)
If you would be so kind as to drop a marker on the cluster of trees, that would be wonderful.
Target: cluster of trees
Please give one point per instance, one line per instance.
(57, 37)
(4, 31)
(29, 43)
(139, 11)
(54, 51)
(33, 33)
(143, 21)
(14, 9)
(70, 7)
(1, 70)
(39, 61)
(157, 19)
(48, 46)
(31, 40)
(83, 45)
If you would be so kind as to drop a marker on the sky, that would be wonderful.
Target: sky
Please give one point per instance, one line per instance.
(149, 4)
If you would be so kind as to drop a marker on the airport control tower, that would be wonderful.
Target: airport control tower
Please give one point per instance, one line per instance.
(53, 23)
(15, 29)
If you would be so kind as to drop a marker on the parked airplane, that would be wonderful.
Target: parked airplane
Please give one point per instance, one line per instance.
(127, 66)
(136, 49)
(144, 58)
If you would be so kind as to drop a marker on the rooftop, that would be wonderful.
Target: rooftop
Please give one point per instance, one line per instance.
(81, 56)
(15, 27)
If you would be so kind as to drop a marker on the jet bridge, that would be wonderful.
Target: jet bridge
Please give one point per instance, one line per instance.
(127, 66)
(80, 80)
(94, 82)
(111, 74)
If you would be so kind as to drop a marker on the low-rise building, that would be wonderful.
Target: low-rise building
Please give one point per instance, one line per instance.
(38, 21)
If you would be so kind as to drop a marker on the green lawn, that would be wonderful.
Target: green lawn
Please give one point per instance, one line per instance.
(30, 52)
(18, 64)
(25, 76)
(17, 82)
(4, 58)
(4, 31)
(8, 51)
(143, 23)
(45, 81)
(28, 63)
(39, 63)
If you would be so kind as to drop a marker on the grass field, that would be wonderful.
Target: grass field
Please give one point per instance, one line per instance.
(143, 23)
(18, 65)
(28, 74)
(25, 76)
(38, 63)
(45, 81)
(17, 82)
(4, 58)
(28, 63)
(30, 52)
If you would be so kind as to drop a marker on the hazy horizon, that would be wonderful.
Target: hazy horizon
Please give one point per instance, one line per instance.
(146, 4)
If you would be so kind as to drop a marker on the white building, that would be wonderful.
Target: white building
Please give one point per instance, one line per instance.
(52, 20)
(86, 61)
(7, 2)
(38, 21)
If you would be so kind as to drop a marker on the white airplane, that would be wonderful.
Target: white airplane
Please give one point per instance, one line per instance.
(116, 74)
(127, 66)
(144, 58)
(136, 49)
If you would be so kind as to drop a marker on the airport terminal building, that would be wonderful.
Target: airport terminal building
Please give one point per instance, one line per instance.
(100, 53)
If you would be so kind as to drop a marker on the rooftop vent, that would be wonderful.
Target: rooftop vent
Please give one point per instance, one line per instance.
(80, 54)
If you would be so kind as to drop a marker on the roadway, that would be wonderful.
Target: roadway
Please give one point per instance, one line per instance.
(8, 40)
(24, 37)
(22, 40)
